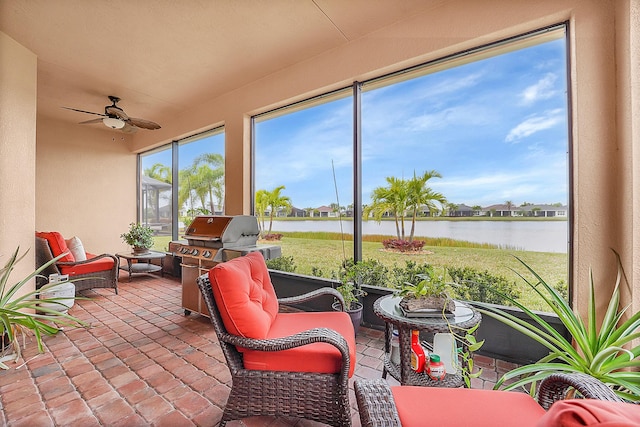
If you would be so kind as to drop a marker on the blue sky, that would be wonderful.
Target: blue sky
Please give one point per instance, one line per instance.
(495, 129)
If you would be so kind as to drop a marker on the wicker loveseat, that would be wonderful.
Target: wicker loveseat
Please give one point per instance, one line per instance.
(97, 271)
(383, 406)
(282, 364)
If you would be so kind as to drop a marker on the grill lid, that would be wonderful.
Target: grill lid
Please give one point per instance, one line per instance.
(223, 231)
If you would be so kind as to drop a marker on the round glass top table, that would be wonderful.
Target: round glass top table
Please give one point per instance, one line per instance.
(387, 308)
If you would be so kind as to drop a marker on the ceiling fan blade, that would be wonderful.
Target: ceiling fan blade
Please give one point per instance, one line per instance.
(90, 121)
(142, 123)
(83, 111)
(129, 128)
(115, 111)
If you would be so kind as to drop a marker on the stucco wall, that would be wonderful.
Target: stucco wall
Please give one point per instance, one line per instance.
(17, 153)
(85, 183)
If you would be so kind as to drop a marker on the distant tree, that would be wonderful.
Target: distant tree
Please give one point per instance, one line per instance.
(452, 207)
(421, 195)
(403, 197)
(160, 172)
(509, 204)
(394, 198)
(276, 201)
(261, 205)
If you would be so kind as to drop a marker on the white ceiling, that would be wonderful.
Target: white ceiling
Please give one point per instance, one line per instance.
(163, 56)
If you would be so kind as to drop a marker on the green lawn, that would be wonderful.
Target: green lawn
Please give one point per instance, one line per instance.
(327, 255)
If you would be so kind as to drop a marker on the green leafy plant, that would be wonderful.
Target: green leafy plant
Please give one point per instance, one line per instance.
(21, 314)
(139, 235)
(469, 344)
(604, 351)
(430, 284)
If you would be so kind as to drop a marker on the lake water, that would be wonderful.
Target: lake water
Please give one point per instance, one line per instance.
(536, 236)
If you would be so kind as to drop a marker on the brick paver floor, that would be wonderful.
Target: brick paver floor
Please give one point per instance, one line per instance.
(143, 363)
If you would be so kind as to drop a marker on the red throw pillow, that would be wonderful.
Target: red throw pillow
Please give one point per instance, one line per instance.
(244, 295)
(57, 244)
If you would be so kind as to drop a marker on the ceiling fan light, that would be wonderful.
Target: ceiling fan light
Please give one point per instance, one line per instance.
(113, 123)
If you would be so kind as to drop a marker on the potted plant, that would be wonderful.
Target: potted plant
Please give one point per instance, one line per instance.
(139, 237)
(350, 288)
(429, 293)
(607, 351)
(28, 313)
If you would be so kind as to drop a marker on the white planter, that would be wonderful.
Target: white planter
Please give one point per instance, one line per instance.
(65, 291)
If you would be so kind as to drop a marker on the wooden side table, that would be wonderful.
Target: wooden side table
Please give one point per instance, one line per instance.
(143, 262)
(387, 308)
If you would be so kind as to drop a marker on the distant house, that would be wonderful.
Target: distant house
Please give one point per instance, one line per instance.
(499, 210)
(546, 211)
(297, 212)
(327, 212)
(462, 210)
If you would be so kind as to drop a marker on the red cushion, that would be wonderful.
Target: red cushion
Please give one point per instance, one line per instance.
(589, 412)
(244, 295)
(317, 357)
(57, 244)
(102, 264)
(455, 407)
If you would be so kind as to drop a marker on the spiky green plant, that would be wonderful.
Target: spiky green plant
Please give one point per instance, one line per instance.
(20, 314)
(604, 351)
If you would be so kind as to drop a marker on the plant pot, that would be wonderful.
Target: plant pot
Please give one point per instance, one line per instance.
(5, 344)
(137, 250)
(64, 295)
(355, 312)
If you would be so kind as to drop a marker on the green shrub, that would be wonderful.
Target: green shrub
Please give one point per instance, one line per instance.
(409, 273)
(474, 285)
(283, 263)
(368, 272)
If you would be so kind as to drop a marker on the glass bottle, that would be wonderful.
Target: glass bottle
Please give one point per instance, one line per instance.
(417, 352)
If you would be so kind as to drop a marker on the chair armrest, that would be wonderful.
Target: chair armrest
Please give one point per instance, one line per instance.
(375, 404)
(555, 386)
(310, 336)
(312, 295)
(88, 260)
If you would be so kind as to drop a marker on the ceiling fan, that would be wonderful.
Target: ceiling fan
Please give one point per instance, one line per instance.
(115, 118)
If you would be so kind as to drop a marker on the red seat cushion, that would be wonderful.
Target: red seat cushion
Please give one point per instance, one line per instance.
(317, 357)
(102, 264)
(57, 244)
(244, 295)
(455, 407)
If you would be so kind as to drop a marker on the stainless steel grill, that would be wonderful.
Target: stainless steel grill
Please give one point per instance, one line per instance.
(210, 241)
(221, 238)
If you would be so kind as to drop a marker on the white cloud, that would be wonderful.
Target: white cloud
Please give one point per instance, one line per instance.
(534, 124)
(543, 89)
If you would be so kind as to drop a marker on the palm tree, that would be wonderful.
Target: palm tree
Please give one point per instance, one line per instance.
(394, 198)
(421, 195)
(209, 169)
(262, 203)
(276, 201)
(509, 204)
(160, 172)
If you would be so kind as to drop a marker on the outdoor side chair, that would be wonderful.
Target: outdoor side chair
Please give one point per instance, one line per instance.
(383, 406)
(282, 364)
(97, 271)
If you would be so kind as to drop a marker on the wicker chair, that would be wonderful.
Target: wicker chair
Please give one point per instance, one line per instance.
(322, 397)
(94, 279)
(379, 408)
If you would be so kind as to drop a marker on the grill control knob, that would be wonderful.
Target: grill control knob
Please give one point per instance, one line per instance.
(206, 254)
(194, 252)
